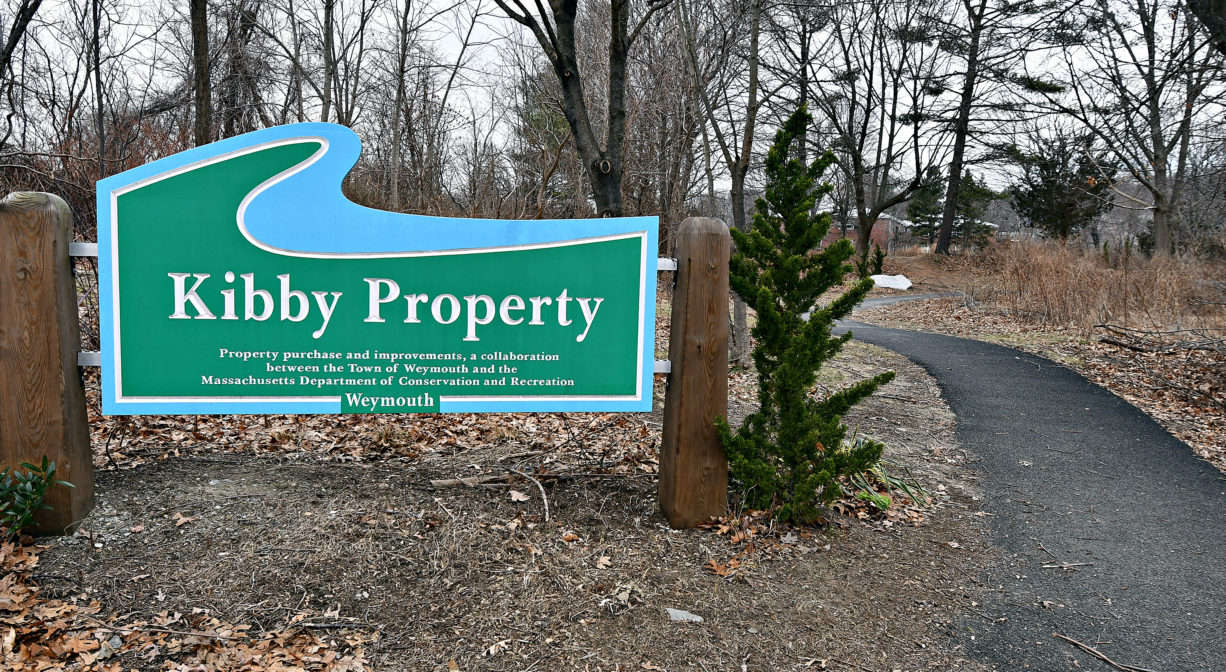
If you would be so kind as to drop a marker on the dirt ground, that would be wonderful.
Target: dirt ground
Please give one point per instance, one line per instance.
(415, 577)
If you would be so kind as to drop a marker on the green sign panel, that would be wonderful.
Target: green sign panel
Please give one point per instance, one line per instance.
(236, 278)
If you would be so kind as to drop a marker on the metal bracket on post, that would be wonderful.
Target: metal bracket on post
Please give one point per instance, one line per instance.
(665, 264)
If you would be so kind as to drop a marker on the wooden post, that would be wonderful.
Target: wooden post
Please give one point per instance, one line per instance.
(42, 401)
(693, 468)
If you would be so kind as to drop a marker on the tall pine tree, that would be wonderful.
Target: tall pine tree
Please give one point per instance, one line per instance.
(1065, 183)
(790, 454)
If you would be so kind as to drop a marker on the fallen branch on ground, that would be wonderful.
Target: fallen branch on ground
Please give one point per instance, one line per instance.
(470, 480)
(146, 628)
(539, 487)
(1152, 340)
(1095, 652)
(487, 479)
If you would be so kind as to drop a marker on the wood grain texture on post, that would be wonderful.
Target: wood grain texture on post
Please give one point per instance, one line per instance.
(42, 402)
(693, 467)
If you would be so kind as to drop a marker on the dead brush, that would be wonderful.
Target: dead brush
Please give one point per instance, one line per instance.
(1056, 284)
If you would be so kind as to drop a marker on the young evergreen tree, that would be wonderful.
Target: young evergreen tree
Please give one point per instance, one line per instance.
(973, 199)
(790, 454)
(926, 205)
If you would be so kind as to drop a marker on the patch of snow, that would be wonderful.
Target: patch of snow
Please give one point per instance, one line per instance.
(892, 281)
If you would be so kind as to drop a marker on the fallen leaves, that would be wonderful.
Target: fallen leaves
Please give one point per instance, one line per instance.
(65, 634)
(623, 597)
(724, 569)
(620, 443)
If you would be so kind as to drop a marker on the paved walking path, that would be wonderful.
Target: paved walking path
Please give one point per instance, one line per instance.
(1074, 474)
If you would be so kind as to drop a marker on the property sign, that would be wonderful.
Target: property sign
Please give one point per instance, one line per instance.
(237, 278)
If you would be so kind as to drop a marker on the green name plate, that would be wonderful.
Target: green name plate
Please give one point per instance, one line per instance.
(236, 278)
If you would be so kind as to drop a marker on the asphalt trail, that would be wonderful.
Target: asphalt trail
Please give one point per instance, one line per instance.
(1129, 523)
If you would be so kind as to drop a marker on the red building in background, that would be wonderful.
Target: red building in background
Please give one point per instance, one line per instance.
(888, 230)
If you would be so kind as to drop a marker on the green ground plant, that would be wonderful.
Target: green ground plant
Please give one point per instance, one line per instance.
(791, 455)
(22, 494)
(867, 266)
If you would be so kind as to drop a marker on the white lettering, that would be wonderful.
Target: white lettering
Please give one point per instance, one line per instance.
(472, 300)
(537, 301)
(377, 298)
(588, 315)
(413, 300)
(183, 297)
(563, 299)
(250, 293)
(510, 303)
(436, 308)
(321, 299)
(288, 295)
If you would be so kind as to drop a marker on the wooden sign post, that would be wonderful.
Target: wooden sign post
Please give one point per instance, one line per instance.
(693, 468)
(42, 401)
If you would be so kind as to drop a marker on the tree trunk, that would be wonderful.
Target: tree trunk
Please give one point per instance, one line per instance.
(298, 73)
(1164, 242)
(961, 129)
(99, 109)
(741, 349)
(864, 234)
(202, 72)
(329, 60)
(1212, 13)
(25, 14)
(402, 56)
(606, 177)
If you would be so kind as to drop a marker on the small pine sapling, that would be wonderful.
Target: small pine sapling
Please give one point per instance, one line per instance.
(790, 454)
(862, 265)
(867, 267)
(878, 260)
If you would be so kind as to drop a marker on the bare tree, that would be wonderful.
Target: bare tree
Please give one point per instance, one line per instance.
(876, 93)
(21, 21)
(548, 171)
(723, 43)
(664, 122)
(404, 37)
(976, 17)
(989, 41)
(1143, 81)
(795, 31)
(555, 32)
(1212, 13)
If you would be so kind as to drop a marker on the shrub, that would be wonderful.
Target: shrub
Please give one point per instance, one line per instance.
(22, 494)
(790, 454)
(868, 267)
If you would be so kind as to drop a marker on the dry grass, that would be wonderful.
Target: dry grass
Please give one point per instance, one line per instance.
(1054, 284)
(908, 251)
